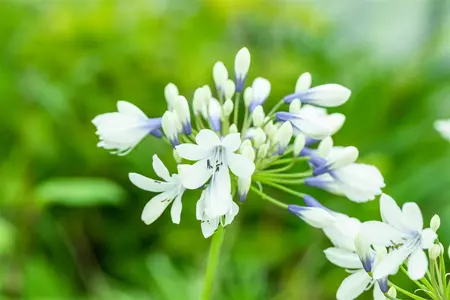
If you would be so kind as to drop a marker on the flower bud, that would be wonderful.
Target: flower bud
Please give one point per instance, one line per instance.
(263, 150)
(248, 96)
(325, 146)
(299, 144)
(241, 66)
(258, 116)
(170, 127)
(303, 82)
(220, 75)
(283, 137)
(215, 111)
(392, 292)
(295, 106)
(171, 93)
(177, 158)
(434, 251)
(227, 108)
(182, 110)
(200, 103)
(233, 128)
(243, 188)
(246, 149)
(271, 130)
(259, 137)
(230, 88)
(435, 223)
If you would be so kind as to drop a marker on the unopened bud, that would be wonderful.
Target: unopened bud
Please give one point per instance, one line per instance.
(200, 103)
(177, 157)
(259, 137)
(243, 188)
(283, 137)
(227, 108)
(434, 251)
(299, 144)
(271, 130)
(258, 116)
(263, 150)
(295, 106)
(171, 93)
(325, 146)
(182, 110)
(303, 82)
(246, 149)
(230, 88)
(435, 223)
(220, 75)
(248, 96)
(169, 124)
(392, 292)
(233, 128)
(241, 66)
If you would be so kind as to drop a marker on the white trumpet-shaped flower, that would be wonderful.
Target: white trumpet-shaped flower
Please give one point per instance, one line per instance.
(121, 131)
(443, 127)
(403, 230)
(209, 225)
(316, 216)
(170, 191)
(215, 157)
(327, 95)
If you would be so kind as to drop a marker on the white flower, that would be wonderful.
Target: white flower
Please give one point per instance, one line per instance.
(295, 106)
(443, 127)
(258, 116)
(303, 82)
(299, 143)
(209, 225)
(171, 190)
(283, 137)
(401, 227)
(121, 131)
(230, 88)
(248, 96)
(327, 95)
(220, 75)
(241, 66)
(227, 108)
(243, 188)
(260, 92)
(200, 102)
(313, 122)
(340, 175)
(214, 157)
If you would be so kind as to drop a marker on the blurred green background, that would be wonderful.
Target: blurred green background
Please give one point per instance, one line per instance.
(70, 223)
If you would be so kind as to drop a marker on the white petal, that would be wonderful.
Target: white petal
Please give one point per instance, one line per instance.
(240, 165)
(232, 141)
(261, 89)
(443, 127)
(148, 184)
(412, 216)
(194, 176)
(229, 217)
(316, 217)
(312, 127)
(335, 121)
(175, 211)
(303, 82)
(377, 293)
(207, 138)
(209, 227)
(327, 95)
(353, 286)
(382, 234)
(219, 201)
(428, 237)
(343, 231)
(194, 152)
(343, 258)
(160, 168)
(200, 207)
(390, 264)
(391, 212)
(128, 108)
(155, 207)
(417, 265)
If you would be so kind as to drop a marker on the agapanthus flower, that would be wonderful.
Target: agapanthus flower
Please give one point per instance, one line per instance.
(316, 216)
(260, 91)
(170, 191)
(121, 131)
(402, 230)
(214, 158)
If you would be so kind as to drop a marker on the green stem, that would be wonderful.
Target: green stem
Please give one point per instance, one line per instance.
(292, 175)
(213, 261)
(274, 109)
(268, 198)
(236, 108)
(406, 293)
(283, 188)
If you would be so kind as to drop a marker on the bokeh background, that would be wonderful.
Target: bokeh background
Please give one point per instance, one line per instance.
(70, 223)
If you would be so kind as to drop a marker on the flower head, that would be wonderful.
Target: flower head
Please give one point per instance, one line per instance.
(170, 191)
(121, 131)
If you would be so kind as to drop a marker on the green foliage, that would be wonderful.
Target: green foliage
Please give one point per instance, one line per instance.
(64, 230)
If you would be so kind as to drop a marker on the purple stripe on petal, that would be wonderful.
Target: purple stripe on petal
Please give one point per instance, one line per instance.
(239, 81)
(187, 128)
(310, 141)
(156, 133)
(383, 284)
(312, 202)
(295, 209)
(215, 124)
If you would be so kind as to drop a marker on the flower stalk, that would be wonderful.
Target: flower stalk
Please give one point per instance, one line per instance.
(212, 263)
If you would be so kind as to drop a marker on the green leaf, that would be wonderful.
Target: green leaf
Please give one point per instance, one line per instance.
(80, 192)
